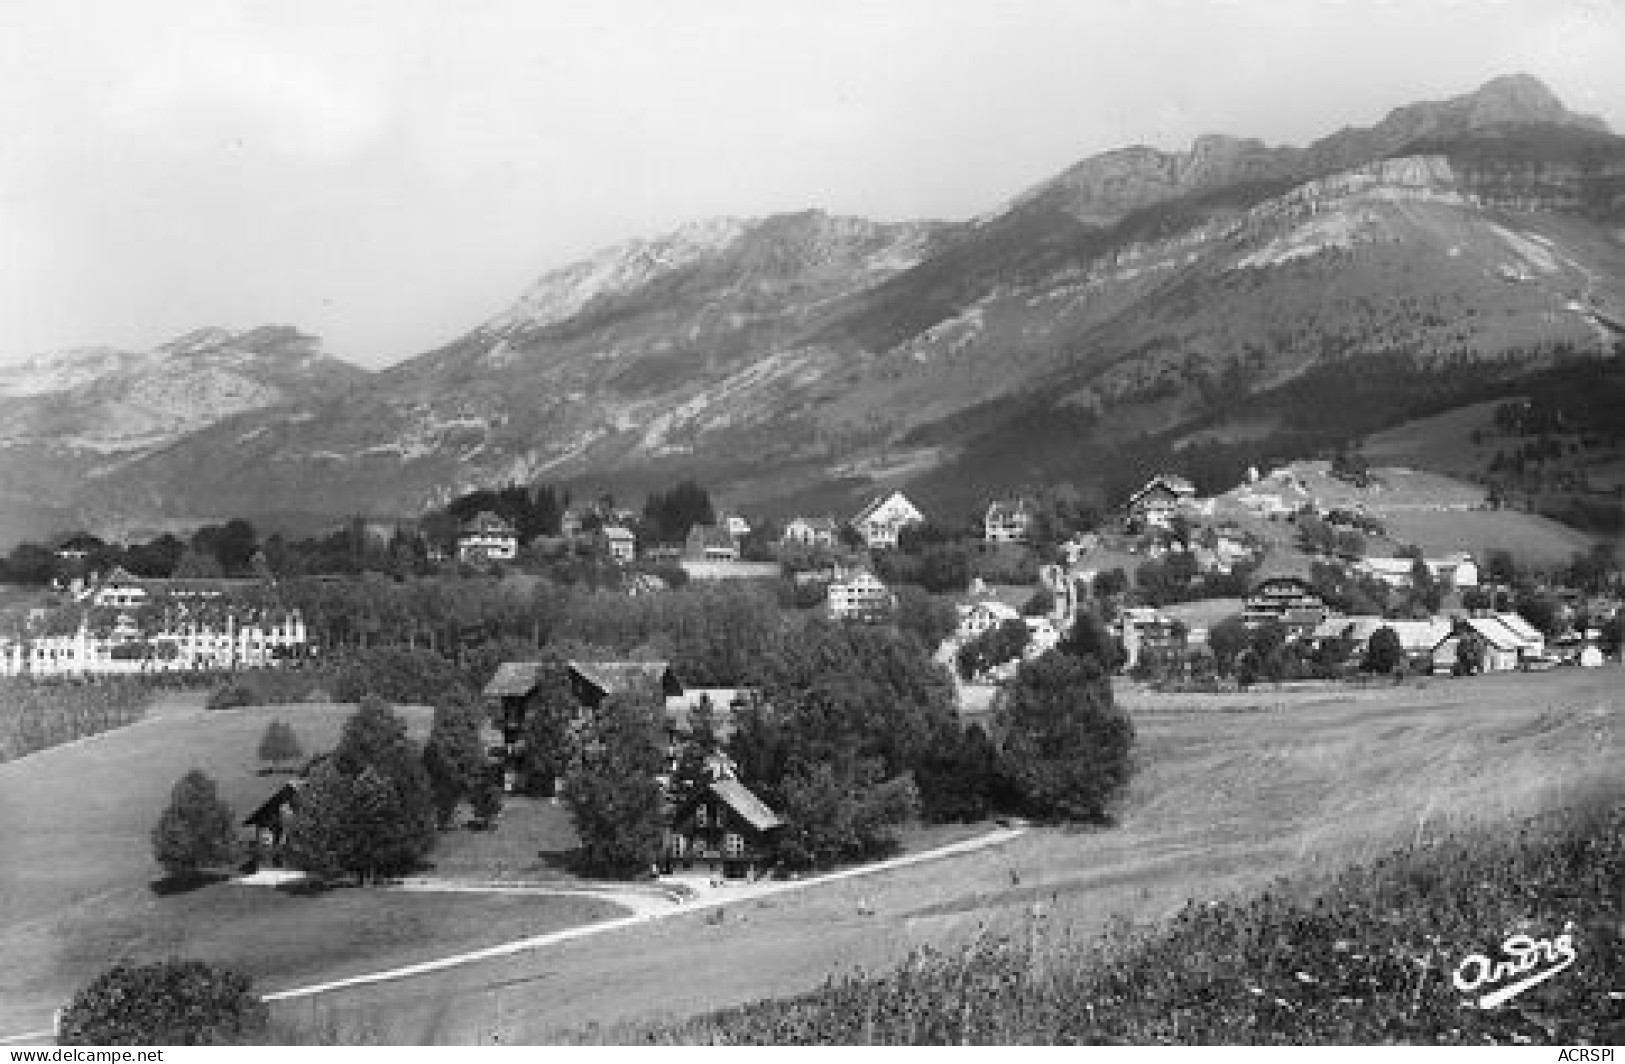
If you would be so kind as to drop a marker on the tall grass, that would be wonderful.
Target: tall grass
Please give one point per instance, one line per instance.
(1363, 956)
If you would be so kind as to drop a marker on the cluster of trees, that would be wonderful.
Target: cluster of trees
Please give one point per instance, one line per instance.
(369, 808)
(1263, 652)
(855, 733)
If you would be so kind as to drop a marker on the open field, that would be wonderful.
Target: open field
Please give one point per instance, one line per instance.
(76, 886)
(1232, 794)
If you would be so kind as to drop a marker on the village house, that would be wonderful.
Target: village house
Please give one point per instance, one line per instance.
(518, 687)
(1163, 496)
(860, 597)
(1284, 591)
(734, 523)
(979, 618)
(1456, 570)
(1418, 639)
(724, 829)
(1498, 647)
(1146, 632)
(879, 523)
(1043, 635)
(620, 543)
(811, 532)
(269, 823)
(487, 538)
(711, 543)
(1008, 522)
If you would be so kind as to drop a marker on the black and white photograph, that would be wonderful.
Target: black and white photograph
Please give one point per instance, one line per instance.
(679, 523)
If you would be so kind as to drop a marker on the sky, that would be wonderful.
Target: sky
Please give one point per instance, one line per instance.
(388, 175)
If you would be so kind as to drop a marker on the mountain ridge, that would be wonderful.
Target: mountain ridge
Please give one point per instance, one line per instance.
(783, 354)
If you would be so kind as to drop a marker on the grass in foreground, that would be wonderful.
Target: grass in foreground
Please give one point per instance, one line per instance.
(1366, 957)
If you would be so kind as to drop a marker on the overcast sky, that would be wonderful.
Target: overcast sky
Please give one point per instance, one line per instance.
(389, 174)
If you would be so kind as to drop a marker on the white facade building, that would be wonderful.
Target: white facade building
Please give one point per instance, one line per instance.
(861, 595)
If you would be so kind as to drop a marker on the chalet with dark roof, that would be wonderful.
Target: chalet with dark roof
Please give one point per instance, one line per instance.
(1284, 590)
(270, 820)
(724, 829)
(519, 687)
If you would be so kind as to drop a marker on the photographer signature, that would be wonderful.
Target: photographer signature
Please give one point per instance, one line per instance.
(1543, 957)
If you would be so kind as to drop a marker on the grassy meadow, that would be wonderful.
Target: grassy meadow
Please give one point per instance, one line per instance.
(1233, 792)
(79, 889)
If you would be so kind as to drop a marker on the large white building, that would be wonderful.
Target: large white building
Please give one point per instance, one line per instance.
(123, 649)
(860, 596)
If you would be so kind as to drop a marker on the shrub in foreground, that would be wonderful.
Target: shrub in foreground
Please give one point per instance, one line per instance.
(174, 1002)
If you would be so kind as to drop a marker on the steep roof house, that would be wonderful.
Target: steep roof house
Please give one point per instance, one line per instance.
(1283, 590)
(884, 517)
(269, 821)
(724, 829)
(1163, 496)
(1008, 522)
(517, 686)
(811, 531)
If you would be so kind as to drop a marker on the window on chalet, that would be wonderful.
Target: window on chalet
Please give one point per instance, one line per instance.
(701, 818)
(733, 845)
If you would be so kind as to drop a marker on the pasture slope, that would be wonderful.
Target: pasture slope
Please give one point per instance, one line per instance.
(1234, 792)
(77, 880)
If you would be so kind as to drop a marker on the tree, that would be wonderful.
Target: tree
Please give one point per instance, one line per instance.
(367, 809)
(669, 516)
(197, 830)
(1469, 654)
(173, 1002)
(930, 618)
(548, 740)
(1108, 583)
(611, 787)
(833, 815)
(194, 564)
(486, 801)
(1227, 640)
(279, 743)
(320, 837)
(959, 776)
(1541, 612)
(1089, 638)
(1500, 568)
(1384, 653)
(1066, 745)
(453, 759)
(375, 737)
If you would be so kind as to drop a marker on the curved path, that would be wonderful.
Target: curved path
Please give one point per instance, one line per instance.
(645, 909)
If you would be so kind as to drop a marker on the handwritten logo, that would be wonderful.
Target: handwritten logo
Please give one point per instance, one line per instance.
(1543, 957)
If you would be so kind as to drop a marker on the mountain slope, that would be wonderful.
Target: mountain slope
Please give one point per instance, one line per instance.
(70, 425)
(1139, 293)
